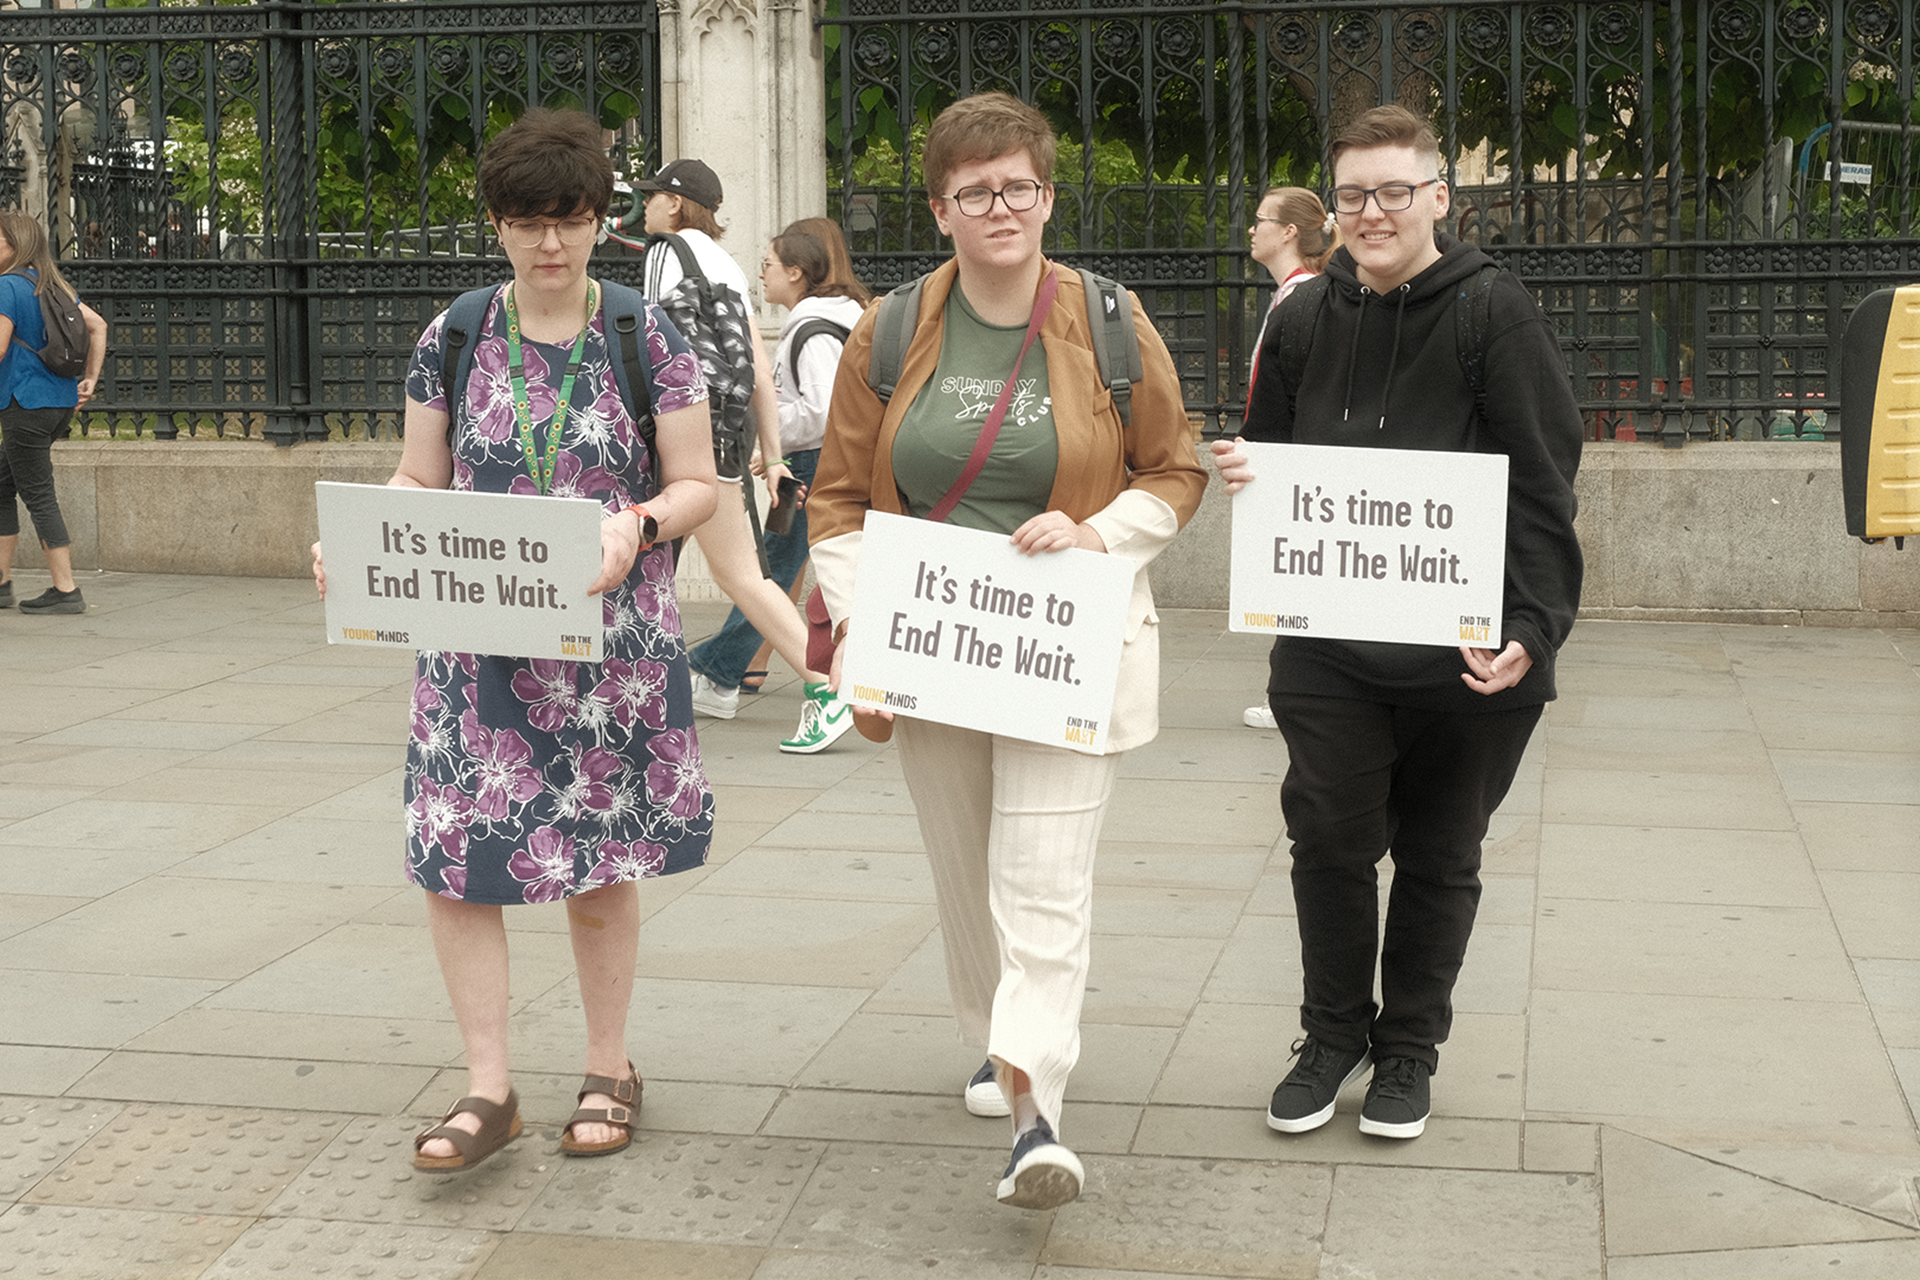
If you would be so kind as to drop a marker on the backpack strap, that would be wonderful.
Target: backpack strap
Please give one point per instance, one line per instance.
(689, 264)
(464, 320)
(892, 331)
(1472, 321)
(1116, 343)
(806, 333)
(1296, 334)
(622, 306)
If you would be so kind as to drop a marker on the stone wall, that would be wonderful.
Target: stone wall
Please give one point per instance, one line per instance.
(1734, 532)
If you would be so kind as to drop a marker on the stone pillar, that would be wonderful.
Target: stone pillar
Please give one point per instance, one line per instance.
(744, 88)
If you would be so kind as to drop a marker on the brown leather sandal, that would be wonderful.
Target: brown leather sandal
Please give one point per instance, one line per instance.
(625, 1093)
(499, 1125)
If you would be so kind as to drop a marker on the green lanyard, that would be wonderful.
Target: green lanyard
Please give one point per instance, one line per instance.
(523, 406)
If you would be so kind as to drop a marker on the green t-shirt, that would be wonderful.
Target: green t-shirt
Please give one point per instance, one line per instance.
(939, 429)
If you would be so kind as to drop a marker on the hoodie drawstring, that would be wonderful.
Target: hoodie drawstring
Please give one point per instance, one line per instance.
(1393, 361)
(1353, 355)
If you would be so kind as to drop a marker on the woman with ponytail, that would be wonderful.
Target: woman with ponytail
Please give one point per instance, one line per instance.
(1292, 236)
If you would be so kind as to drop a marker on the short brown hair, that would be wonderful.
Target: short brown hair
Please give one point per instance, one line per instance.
(694, 216)
(1388, 126)
(986, 127)
(547, 164)
(815, 247)
(1300, 209)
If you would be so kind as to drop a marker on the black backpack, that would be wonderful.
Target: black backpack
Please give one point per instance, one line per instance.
(1116, 344)
(65, 355)
(714, 321)
(1298, 318)
(622, 306)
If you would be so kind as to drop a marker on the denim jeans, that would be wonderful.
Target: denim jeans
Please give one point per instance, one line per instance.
(723, 657)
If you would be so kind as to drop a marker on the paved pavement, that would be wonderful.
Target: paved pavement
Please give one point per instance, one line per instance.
(1688, 1040)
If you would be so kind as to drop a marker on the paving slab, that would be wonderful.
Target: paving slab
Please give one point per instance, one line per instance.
(326, 1250)
(366, 1174)
(879, 1209)
(534, 1253)
(694, 1188)
(1465, 1223)
(1660, 1200)
(212, 1160)
(1195, 1216)
(65, 1240)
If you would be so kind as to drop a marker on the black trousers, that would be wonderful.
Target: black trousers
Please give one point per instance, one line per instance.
(1366, 778)
(26, 470)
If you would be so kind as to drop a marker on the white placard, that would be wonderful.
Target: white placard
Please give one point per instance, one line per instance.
(468, 572)
(1370, 544)
(953, 625)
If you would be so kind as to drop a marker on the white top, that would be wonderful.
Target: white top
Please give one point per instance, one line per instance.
(663, 267)
(804, 398)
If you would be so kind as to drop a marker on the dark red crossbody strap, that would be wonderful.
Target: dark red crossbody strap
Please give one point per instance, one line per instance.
(990, 430)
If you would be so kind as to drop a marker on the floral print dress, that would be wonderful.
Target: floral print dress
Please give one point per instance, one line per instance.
(530, 780)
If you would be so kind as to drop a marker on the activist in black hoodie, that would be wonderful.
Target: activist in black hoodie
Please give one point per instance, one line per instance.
(1405, 749)
(1384, 372)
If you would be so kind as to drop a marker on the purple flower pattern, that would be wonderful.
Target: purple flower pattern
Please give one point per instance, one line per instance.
(532, 780)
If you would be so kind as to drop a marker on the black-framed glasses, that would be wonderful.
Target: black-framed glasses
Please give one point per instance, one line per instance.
(1390, 197)
(531, 233)
(977, 202)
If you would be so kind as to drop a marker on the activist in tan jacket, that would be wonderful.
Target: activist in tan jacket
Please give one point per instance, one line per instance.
(1136, 486)
(1010, 826)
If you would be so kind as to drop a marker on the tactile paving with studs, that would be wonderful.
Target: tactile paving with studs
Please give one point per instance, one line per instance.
(325, 1250)
(1195, 1217)
(36, 1134)
(675, 1186)
(366, 1174)
(926, 1208)
(189, 1160)
(129, 1244)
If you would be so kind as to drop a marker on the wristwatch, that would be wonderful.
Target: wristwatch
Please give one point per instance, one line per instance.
(649, 527)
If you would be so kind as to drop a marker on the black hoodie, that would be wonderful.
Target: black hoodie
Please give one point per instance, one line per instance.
(1383, 372)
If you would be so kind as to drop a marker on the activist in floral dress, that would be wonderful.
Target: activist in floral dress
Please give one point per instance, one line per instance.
(530, 780)
(546, 781)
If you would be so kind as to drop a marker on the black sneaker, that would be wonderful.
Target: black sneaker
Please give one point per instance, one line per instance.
(1042, 1174)
(1304, 1100)
(6, 594)
(1398, 1099)
(52, 601)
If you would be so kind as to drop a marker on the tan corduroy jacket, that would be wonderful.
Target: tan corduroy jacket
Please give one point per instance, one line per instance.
(1136, 486)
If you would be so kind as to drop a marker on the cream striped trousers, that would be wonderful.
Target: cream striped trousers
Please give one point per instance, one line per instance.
(1010, 828)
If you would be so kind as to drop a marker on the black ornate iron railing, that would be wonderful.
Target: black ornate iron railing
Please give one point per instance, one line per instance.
(268, 201)
(1698, 193)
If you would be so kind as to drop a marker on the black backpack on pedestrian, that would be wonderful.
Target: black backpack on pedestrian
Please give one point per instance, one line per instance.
(68, 342)
(714, 321)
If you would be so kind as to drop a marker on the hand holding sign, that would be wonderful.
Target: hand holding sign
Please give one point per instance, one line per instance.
(1394, 545)
(470, 572)
(960, 627)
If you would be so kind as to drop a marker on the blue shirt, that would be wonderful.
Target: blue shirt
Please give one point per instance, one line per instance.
(22, 376)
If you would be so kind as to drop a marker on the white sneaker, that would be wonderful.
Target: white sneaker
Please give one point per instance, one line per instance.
(710, 699)
(824, 717)
(1259, 717)
(983, 1093)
